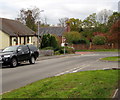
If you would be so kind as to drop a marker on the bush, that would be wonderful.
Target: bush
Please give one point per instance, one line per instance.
(99, 40)
(49, 40)
(81, 41)
(72, 36)
(57, 52)
(48, 48)
(68, 50)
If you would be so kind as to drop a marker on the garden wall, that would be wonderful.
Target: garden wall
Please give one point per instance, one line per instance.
(46, 52)
(93, 47)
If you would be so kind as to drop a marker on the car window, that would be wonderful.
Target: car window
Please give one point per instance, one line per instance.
(32, 47)
(25, 48)
(11, 48)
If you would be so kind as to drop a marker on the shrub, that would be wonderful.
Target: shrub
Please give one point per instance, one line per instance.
(72, 36)
(57, 52)
(68, 50)
(48, 48)
(49, 40)
(81, 41)
(99, 40)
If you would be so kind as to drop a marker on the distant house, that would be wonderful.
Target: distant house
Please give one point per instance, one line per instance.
(13, 32)
(59, 31)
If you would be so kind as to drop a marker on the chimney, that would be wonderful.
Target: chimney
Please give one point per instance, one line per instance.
(67, 27)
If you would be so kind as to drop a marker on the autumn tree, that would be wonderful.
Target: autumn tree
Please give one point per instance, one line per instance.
(114, 35)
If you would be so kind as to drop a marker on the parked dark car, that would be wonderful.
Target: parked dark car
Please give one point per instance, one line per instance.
(15, 54)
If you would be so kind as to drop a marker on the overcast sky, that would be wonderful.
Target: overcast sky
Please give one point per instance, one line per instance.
(55, 9)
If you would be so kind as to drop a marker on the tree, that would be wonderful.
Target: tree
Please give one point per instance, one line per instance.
(49, 40)
(30, 21)
(114, 34)
(99, 40)
(75, 24)
(72, 36)
(90, 21)
(29, 17)
(113, 18)
(103, 16)
(63, 21)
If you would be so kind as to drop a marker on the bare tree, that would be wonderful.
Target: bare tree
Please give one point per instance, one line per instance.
(103, 15)
(24, 13)
(63, 21)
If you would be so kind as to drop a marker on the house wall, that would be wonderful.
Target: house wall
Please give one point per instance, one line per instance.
(13, 42)
(22, 40)
(34, 40)
(4, 40)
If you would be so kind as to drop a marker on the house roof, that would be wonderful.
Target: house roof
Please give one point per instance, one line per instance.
(52, 30)
(15, 28)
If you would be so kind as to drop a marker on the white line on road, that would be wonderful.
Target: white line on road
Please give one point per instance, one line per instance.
(76, 69)
(115, 93)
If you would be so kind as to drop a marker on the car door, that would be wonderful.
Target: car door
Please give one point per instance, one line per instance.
(20, 54)
(23, 53)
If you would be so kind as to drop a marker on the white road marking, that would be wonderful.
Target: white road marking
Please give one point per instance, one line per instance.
(115, 93)
(76, 69)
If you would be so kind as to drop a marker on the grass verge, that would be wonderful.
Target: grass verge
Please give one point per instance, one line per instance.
(87, 84)
(114, 58)
(100, 50)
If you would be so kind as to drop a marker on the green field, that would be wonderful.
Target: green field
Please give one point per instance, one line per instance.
(100, 50)
(114, 58)
(87, 84)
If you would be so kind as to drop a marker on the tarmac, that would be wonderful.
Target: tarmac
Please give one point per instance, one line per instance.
(55, 56)
(63, 55)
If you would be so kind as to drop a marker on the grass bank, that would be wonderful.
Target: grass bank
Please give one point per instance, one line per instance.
(87, 84)
(100, 50)
(115, 58)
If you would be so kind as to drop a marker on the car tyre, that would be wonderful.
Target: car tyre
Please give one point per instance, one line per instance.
(14, 62)
(32, 60)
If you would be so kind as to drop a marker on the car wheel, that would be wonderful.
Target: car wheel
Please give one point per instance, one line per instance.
(32, 60)
(14, 62)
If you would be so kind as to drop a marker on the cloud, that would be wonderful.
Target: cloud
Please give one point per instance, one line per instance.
(55, 9)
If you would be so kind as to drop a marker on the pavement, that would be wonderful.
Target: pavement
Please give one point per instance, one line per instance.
(63, 55)
(55, 56)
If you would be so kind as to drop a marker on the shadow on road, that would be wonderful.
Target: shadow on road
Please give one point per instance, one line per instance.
(19, 65)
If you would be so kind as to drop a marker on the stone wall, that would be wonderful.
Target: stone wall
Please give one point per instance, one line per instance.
(46, 52)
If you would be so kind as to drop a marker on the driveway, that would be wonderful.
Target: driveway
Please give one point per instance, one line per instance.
(24, 74)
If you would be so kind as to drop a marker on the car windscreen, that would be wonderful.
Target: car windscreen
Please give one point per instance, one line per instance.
(10, 49)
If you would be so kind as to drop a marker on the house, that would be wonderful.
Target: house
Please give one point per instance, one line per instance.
(12, 32)
(58, 31)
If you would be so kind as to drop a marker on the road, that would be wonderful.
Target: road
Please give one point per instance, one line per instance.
(22, 75)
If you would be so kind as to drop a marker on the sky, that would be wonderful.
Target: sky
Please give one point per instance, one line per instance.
(56, 9)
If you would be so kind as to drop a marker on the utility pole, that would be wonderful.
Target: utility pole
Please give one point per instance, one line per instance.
(39, 32)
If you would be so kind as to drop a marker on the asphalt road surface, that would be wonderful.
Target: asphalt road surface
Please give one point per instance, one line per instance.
(24, 74)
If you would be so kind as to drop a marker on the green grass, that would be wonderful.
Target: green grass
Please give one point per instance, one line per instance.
(100, 50)
(87, 84)
(114, 58)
